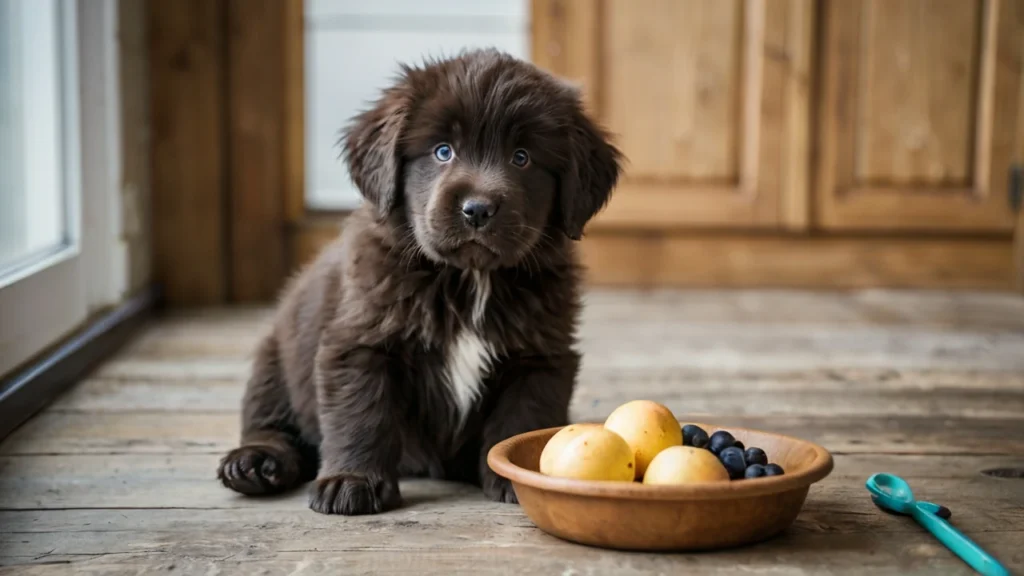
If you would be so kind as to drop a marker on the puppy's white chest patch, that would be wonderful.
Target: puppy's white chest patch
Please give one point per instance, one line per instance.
(470, 357)
(468, 363)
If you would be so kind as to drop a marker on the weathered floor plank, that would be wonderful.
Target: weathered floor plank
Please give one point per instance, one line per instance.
(904, 553)
(188, 389)
(471, 526)
(724, 348)
(142, 480)
(117, 476)
(217, 432)
(825, 395)
(911, 553)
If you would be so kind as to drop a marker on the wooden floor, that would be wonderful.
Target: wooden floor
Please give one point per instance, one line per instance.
(117, 477)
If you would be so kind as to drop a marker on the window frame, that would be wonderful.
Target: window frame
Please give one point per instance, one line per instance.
(44, 301)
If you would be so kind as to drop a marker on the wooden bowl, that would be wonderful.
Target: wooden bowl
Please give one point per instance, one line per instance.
(632, 516)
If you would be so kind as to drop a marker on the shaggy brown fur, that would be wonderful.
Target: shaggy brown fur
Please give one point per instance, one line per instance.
(443, 319)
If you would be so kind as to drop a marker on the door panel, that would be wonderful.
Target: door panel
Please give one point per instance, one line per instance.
(914, 120)
(685, 65)
(918, 108)
(707, 99)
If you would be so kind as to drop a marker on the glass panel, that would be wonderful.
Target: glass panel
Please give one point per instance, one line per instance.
(33, 222)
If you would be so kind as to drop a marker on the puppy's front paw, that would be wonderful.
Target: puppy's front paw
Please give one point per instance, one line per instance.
(499, 489)
(257, 469)
(354, 494)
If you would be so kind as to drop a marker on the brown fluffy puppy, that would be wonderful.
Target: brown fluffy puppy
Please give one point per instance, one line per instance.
(443, 319)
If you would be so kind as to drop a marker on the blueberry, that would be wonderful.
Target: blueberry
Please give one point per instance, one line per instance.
(695, 436)
(755, 456)
(754, 471)
(739, 445)
(732, 459)
(773, 470)
(720, 441)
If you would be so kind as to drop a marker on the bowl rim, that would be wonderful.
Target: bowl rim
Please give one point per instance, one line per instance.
(820, 467)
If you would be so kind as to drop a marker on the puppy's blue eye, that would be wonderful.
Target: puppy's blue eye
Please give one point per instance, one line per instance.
(520, 158)
(443, 153)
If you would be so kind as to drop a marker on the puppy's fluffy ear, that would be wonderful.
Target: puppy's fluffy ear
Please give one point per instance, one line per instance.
(593, 170)
(370, 146)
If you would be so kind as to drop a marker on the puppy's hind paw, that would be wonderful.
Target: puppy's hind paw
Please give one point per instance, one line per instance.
(499, 489)
(354, 494)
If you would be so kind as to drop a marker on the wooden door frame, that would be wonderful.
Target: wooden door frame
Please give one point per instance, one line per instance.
(305, 231)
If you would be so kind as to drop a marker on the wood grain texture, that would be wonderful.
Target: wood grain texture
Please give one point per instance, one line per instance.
(918, 127)
(185, 431)
(565, 40)
(256, 133)
(226, 89)
(671, 88)
(294, 137)
(187, 48)
(693, 260)
(798, 69)
(117, 476)
(891, 554)
(603, 386)
(915, 134)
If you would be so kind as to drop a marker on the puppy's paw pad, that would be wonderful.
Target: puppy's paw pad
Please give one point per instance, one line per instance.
(354, 494)
(254, 470)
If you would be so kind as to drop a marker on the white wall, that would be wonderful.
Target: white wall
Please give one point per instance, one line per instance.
(352, 51)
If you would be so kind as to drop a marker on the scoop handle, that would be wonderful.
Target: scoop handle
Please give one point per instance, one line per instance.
(961, 545)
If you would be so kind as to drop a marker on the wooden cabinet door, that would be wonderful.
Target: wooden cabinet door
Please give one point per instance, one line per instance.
(918, 113)
(707, 99)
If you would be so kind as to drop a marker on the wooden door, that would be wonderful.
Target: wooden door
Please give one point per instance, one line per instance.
(918, 114)
(707, 98)
(226, 95)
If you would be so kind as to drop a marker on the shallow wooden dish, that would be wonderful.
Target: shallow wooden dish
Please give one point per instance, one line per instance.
(632, 516)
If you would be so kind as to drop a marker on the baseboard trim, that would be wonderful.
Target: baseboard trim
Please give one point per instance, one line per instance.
(709, 259)
(799, 262)
(34, 386)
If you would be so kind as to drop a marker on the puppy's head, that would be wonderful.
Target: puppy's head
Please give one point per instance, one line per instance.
(483, 156)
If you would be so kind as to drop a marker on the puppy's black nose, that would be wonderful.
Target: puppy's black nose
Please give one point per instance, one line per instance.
(478, 211)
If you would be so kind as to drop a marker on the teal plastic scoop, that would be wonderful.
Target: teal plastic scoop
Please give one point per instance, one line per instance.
(892, 493)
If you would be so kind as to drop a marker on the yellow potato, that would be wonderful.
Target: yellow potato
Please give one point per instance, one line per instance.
(595, 454)
(648, 428)
(685, 465)
(557, 443)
